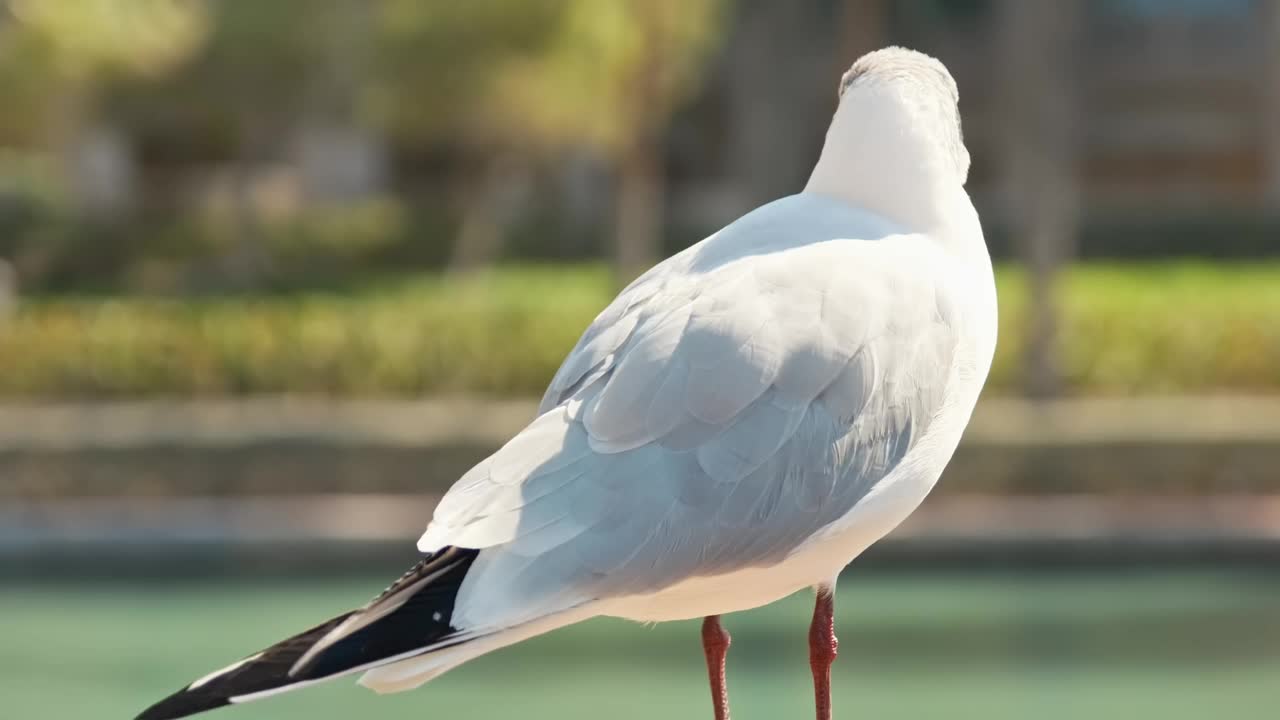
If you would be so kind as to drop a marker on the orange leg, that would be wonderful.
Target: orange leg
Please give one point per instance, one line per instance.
(822, 650)
(715, 643)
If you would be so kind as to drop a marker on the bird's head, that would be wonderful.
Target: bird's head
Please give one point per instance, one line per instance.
(911, 96)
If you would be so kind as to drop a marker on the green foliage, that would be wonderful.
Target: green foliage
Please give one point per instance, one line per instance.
(51, 52)
(614, 71)
(1126, 329)
(249, 79)
(1167, 328)
(210, 99)
(540, 73)
(158, 254)
(500, 332)
(439, 67)
(1154, 328)
(84, 37)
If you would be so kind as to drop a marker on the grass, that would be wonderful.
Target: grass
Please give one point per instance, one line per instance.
(1138, 328)
(1171, 645)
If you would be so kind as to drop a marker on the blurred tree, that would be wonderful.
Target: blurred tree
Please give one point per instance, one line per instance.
(247, 88)
(771, 45)
(1040, 151)
(440, 74)
(94, 36)
(316, 87)
(615, 74)
(863, 25)
(54, 59)
(1270, 25)
(276, 97)
(8, 290)
(342, 156)
(541, 76)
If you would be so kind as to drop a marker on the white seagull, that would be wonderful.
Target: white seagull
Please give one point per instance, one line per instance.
(740, 423)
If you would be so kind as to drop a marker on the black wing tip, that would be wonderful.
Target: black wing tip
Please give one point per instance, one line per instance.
(424, 615)
(265, 671)
(183, 703)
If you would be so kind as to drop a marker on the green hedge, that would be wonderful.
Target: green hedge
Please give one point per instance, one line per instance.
(1125, 329)
(1154, 328)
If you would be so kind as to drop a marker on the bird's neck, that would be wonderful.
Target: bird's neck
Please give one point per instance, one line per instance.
(878, 156)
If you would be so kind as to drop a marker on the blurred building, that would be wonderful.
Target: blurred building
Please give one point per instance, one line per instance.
(1147, 108)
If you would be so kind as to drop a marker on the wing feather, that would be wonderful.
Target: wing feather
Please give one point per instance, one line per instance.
(717, 415)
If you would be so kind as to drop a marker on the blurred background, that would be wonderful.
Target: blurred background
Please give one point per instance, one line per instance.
(274, 274)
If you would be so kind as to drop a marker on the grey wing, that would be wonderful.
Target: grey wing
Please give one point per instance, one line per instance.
(708, 424)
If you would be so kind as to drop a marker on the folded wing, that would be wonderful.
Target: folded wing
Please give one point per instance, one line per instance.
(715, 417)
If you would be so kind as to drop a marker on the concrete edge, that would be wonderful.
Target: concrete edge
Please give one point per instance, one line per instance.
(457, 421)
(162, 523)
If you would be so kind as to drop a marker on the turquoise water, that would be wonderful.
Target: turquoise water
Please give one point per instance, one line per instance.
(1151, 645)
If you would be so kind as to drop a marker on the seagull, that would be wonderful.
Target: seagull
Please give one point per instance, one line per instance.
(739, 424)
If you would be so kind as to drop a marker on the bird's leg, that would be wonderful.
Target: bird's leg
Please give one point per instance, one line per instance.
(715, 643)
(822, 649)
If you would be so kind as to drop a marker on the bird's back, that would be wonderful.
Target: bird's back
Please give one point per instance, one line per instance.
(723, 411)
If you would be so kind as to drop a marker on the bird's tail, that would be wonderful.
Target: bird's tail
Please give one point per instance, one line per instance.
(410, 618)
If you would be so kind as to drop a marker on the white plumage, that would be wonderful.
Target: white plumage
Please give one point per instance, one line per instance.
(748, 416)
(745, 418)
